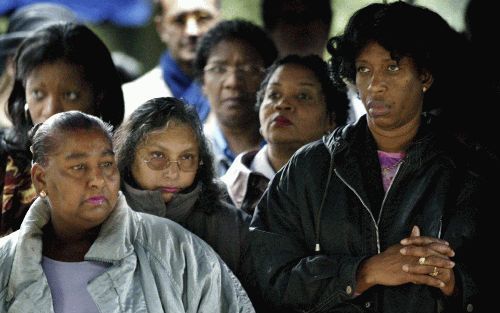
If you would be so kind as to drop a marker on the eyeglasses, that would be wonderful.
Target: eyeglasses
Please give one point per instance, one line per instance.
(187, 163)
(221, 70)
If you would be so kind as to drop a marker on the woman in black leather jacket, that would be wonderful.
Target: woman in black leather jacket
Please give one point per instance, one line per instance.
(380, 216)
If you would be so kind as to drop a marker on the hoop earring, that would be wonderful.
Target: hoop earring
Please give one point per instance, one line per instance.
(27, 115)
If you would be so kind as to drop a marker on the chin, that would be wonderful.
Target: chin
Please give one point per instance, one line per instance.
(167, 197)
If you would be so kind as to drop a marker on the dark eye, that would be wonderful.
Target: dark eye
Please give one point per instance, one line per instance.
(187, 157)
(273, 95)
(204, 18)
(71, 95)
(362, 69)
(157, 155)
(180, 20)
(251, 69)
(217, 69)
(78, 167)
(106, 164)
(37, 94)
(393, 68)
(303, 96)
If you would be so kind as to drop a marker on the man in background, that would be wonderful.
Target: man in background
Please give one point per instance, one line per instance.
(297, 26)
(179, 23)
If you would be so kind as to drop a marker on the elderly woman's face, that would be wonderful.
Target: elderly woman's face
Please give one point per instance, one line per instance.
(391, 91)
(231, 79)
(57, 87)
(167, 160)
(293, 110)
(81, 180)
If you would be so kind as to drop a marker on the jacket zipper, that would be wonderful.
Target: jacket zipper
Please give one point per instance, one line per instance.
(388, 189)
(366, 207)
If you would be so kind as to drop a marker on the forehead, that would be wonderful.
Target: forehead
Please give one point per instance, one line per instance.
(294, 73)
(173, 132)
(58, 68)
(81, 141)
(178, 7)
(233, 50)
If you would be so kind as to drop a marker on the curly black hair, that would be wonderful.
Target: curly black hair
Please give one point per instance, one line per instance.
(335, 97)
(154, 114)
(236, 29)
(405, 31)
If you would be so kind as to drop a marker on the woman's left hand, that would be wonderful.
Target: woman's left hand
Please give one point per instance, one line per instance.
(432, 257)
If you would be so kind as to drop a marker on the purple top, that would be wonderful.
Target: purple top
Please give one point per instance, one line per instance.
(389, 165)
(68, 284)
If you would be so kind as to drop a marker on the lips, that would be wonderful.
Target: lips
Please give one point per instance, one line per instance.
(96, 200)
(170, 189)
(377, 108)
(282, 121)
(233, 101)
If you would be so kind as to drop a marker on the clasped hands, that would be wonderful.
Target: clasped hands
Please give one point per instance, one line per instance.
(416, 259)
(430, 263)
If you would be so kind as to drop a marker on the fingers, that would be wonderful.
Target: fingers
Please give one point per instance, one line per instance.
(415, 231)
(426, 279)
(422, 240)
(434, 248)
(425, 264)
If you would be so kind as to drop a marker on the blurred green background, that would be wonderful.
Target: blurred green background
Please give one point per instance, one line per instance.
(144, 44)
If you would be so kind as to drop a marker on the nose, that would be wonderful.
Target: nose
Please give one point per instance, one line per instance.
(96, 178)
(233, 78)
(192, 28)
(172, 170)
(377, 83)
(283, 104)
(52, 106)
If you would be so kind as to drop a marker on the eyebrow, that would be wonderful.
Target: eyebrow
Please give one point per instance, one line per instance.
(81, 155)
(300, 83)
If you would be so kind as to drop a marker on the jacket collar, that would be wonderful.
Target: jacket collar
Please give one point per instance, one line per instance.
(238, 175)
(113, 243)
(426, 145)
(150, 201)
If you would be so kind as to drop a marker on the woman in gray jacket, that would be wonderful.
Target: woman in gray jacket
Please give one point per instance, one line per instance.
(81, 247)
(167, 170)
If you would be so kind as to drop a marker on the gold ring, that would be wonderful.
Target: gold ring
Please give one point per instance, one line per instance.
(421, 261)
(435, 272)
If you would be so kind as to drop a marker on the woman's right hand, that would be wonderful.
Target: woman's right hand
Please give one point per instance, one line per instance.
(388, 268)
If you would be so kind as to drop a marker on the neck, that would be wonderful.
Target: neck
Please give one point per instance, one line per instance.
(67, 245)
(395, 140)
(279, 154)
(186, 67)
(243, 138)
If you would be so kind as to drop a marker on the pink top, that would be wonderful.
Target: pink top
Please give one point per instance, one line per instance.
(389, 164)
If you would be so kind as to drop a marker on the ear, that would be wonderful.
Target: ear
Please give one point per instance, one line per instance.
(38, 178)
(160, 28)
(427, 79)
(203, 88)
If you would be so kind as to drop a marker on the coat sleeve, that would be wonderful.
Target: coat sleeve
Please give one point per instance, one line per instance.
(220, 291)
(287, 273)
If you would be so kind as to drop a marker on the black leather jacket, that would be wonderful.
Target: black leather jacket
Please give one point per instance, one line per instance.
(326, 211)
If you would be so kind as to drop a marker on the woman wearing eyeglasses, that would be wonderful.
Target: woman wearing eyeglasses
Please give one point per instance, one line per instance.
(167, 170)
(230, 62)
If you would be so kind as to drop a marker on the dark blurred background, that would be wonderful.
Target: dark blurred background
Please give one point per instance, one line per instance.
(126, 25)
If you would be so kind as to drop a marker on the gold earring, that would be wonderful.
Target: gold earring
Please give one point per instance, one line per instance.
(43, 194)
(424, 89)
